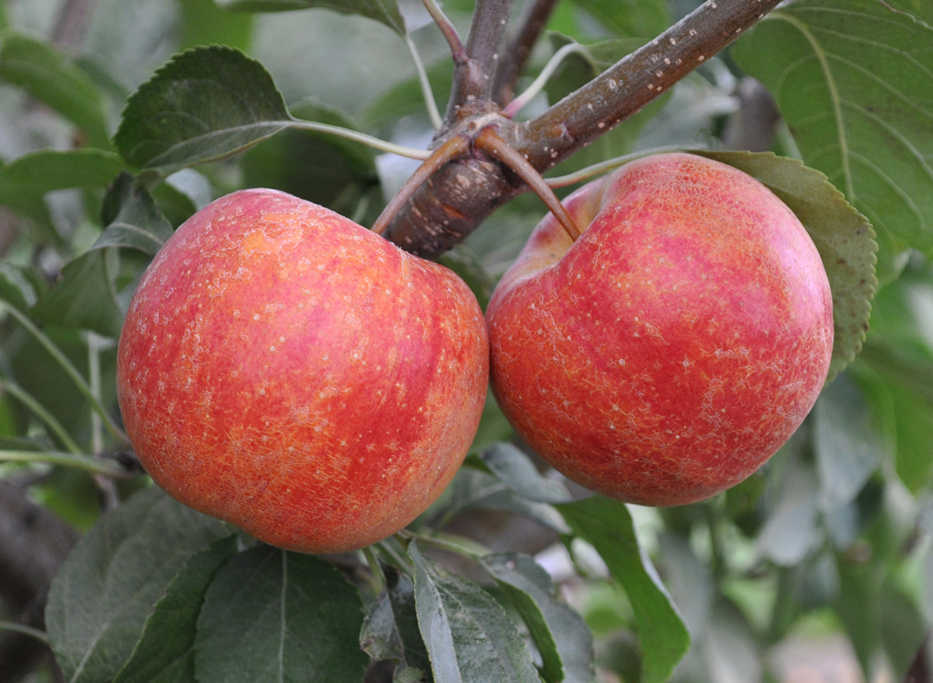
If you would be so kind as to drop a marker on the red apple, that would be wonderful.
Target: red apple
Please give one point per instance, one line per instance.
(287, 370)
(676, 345)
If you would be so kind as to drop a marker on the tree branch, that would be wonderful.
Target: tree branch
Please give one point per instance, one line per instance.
(474, 78)
(456, 199)
(638, 78)
(519, 49)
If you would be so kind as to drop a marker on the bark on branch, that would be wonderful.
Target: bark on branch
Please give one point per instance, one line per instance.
(462, 194)
(638, 78)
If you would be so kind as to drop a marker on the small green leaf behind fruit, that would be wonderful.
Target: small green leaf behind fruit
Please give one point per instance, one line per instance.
(607, 525)
(516, 469)
(843, 236)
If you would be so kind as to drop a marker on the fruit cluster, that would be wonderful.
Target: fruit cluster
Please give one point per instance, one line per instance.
(287, 370)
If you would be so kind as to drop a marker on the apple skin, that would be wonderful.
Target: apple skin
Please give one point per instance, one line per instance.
(289, 371)
(676, 345)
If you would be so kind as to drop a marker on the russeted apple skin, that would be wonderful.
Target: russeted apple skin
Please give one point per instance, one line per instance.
(287, 370)
(676, 345)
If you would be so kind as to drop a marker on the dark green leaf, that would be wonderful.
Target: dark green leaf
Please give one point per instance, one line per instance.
(630, 18)
(607, 525)
(843, 237)
(563, 639)
(276, 615)
(132, 218)
(407, 99)
(99, 602)
(85, 296)
(516, 470)
(165, 653)
(35, 174)
(469, 636)
(173, 203)
(204, 104)
(204, 23)
(324, 169)
(51, 78)
(385, 11)
(853, 82)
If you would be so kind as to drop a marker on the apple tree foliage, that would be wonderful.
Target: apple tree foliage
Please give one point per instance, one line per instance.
(119, 120)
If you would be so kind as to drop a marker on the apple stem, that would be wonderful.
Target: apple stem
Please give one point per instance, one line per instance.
(490, 141)
(452, 148)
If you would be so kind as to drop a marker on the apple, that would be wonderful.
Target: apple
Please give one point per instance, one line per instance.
(289, 371)
(668, 352)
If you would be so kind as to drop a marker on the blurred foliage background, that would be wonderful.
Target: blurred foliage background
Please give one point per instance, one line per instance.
(819, 567)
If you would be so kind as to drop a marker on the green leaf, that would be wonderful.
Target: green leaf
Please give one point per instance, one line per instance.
(896, 370)
(469, 636)
(99, 602)
(132, 218)
(853, 81)
(473, 488)
(165, 653)
(50, 77)
(32, 175)
(847, 442)
(204, 23)
(204, 104)
(841, 234)
(607, 525)
(562, 637)
(629, 17)
(516, 470)
(276, 615)
(385, 11)
(919, 9)
(85, 296)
